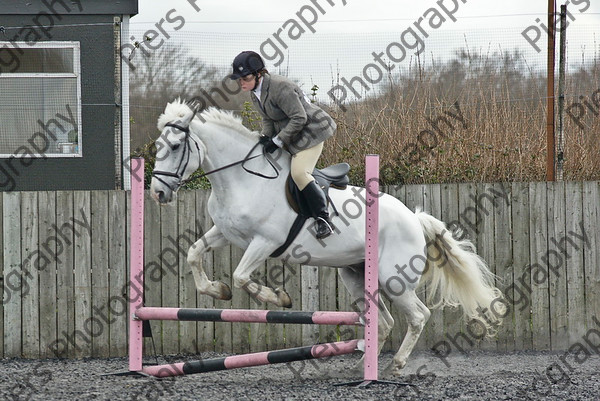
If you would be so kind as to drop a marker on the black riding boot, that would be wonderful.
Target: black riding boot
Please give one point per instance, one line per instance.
(315, 198)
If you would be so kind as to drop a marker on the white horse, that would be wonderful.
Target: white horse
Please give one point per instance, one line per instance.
(252, 213)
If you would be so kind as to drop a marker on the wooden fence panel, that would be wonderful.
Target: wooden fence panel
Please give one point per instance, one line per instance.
(117, 307)
(34, 258)
(555, 261)
(591, 253)
(518, 292)
(15, 281)
(100, 279)
(573, 266)
(80, 337)
(478, 215)
(503, 259)
(52, 247)
(65, 284)
(71, 250)
(540, 302)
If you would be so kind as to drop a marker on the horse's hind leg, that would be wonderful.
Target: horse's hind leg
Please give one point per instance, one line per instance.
(417, 315)
(400, 282)
(212, 239)
(353, 278)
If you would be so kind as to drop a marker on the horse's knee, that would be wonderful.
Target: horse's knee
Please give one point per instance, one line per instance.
(240, 281)
(193, 255)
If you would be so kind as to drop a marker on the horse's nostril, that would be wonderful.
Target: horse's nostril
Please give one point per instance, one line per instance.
(161, 196)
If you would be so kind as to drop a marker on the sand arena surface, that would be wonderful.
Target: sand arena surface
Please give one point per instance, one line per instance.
(472, 376)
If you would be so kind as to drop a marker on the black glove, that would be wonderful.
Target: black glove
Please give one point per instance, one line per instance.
(268, 144)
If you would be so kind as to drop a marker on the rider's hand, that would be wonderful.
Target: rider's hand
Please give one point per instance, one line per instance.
(268, 144)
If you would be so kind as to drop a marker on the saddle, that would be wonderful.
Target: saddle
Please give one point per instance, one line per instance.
(335, 176)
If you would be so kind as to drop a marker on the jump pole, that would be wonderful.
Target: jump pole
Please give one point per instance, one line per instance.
(139, 313)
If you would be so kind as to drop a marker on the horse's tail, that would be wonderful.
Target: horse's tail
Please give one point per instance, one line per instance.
(457, 276)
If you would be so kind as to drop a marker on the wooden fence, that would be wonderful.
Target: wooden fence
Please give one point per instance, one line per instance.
(65, 258)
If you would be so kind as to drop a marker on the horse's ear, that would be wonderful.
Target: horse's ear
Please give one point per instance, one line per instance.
(187, 118)
(194, 106)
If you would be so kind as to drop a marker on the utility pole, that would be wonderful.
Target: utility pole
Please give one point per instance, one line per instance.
(550, 154)
(560, 149)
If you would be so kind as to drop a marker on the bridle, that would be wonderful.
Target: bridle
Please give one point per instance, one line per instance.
(185, 158)
(183, 162)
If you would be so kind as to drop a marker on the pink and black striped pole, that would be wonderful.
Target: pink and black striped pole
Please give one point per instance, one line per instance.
(247, 316)
(255, 359)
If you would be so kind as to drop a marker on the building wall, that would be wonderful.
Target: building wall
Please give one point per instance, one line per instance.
(96, 169)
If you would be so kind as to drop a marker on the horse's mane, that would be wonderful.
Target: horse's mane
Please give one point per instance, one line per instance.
(178, 109)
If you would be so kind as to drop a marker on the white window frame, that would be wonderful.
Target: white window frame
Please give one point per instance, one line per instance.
(75, 45)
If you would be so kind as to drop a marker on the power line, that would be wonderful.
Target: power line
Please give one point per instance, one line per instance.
(354, 20)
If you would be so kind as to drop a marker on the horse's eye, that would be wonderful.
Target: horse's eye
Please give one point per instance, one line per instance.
(175, 147)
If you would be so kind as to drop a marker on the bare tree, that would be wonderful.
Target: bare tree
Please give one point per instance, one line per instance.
(166, 74)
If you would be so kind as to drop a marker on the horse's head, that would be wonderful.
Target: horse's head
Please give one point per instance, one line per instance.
(178, 151)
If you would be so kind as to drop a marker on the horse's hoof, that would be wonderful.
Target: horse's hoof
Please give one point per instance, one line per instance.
(224, 292)
(395, 369)
(284, 299)
(389, 369)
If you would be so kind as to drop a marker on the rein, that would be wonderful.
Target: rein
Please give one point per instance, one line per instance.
(178, 174)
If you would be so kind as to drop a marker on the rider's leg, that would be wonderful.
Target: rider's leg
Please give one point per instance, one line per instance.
(303, 164)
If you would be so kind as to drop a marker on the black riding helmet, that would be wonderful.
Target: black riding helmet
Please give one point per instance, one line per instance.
(246, 63)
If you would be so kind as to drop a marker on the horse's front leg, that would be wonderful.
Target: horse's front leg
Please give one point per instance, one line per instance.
(254, 256)
(212, 239)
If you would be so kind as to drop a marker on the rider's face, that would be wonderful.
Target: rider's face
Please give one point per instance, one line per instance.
(247, 82)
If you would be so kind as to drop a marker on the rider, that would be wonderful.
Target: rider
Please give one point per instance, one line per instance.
(291, 122)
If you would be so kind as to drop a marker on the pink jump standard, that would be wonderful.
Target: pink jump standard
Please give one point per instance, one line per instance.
(371, 267)
(140, 313)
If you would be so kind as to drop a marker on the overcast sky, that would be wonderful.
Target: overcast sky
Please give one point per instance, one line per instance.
(345, 36)
(268, 15)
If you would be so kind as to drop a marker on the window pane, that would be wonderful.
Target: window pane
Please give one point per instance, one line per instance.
(27, 60)
(37, 113)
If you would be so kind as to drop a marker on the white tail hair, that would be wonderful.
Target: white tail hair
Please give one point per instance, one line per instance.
(457, 276)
